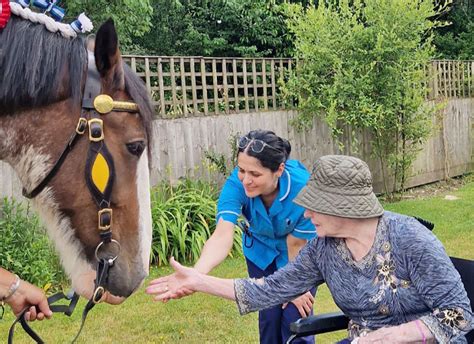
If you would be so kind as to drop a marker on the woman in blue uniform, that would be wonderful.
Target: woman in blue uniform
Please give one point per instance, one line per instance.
(260, 191)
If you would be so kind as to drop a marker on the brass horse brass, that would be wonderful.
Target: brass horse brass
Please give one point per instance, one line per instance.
(104, 103)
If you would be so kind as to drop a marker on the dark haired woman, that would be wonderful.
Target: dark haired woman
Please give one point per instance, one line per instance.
(261, 190)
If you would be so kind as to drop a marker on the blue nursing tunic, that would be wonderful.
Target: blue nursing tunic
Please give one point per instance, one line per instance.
(268, 229)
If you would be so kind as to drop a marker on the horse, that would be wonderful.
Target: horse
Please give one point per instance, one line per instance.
(42, 94)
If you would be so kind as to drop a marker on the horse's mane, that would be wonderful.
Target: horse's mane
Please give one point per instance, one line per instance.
(39, 67)
(32, 63)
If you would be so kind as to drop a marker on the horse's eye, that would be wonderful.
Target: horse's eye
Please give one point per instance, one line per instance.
(136, 147)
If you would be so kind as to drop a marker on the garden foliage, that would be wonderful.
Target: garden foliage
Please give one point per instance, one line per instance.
(24, 247)
(247, 28)
(132, 17)
(362, 70)
(183, 219)
(456, 41)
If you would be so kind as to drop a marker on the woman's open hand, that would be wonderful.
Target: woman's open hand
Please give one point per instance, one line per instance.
(175, 286)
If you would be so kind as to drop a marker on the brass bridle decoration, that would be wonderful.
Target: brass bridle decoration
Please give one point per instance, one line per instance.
(104, 104)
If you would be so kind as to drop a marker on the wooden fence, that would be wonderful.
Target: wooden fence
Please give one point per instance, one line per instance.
(181, 146)
(196, 86)
(193, 86)
(451, 79)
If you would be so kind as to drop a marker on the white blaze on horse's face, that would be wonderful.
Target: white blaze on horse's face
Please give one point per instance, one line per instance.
(35, 128)
(144, 203)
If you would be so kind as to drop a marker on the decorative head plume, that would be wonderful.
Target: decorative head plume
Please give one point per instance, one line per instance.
(22, 8)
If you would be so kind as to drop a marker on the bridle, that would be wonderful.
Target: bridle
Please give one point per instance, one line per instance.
(99, 177)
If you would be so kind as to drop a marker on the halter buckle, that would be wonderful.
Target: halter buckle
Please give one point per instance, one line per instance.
(98, 293)
(81, 126)
(105, 219)
(96, 130)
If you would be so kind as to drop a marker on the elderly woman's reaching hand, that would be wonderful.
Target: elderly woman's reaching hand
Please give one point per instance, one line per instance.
(186, 281)
(175, 286)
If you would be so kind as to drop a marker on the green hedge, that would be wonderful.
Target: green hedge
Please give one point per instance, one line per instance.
(24, 247)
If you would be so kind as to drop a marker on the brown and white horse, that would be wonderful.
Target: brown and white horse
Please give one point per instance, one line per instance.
(42, 81)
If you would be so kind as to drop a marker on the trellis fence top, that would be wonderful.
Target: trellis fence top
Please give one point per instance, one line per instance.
(182, 86)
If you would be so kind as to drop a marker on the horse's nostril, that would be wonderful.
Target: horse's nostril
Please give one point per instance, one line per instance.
(136, 148)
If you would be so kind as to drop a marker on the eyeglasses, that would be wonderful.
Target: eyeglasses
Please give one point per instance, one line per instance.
(255, 145)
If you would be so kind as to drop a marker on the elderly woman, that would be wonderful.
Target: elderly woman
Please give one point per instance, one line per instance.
(386, 272)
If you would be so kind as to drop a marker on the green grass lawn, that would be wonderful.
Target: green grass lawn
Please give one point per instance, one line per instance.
(206, 319)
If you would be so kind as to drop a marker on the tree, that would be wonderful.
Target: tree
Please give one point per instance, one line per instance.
(456, 41)
(217, 28)
(363, 68)
(132, 17)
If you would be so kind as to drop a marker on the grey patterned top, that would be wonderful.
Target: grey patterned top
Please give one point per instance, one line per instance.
(406, 275)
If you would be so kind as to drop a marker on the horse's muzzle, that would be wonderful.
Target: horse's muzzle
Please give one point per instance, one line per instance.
(124, 279)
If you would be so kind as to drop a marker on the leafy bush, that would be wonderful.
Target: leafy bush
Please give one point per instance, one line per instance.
(363, 71)
(183, 219)
(24, 247)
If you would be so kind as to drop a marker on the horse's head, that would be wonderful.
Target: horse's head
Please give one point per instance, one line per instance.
(35, 128)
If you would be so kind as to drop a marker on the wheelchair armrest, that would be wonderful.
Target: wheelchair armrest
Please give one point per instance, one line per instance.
(321, 323)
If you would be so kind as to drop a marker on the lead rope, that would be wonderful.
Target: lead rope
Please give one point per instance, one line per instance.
(101, 279)
(67, 310)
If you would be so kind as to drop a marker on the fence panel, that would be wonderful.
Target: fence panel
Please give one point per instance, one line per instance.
(196, 86)
(451, 79)
(181, 145)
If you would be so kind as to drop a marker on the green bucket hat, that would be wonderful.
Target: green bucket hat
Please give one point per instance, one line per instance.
(340, 185)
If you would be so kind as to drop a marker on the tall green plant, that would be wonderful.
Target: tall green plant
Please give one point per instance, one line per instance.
(24, 247)
(183, 219)
(222, 164)
(363, 69)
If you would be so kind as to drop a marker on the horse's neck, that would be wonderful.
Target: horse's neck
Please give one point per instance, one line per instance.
(31, 140)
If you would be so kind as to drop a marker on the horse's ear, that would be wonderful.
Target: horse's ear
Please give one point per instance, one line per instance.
(107, 57)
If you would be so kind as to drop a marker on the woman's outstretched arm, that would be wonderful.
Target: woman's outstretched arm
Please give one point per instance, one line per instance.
(251, 294)
(185, 281)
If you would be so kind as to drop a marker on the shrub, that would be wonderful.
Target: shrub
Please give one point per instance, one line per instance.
(24, 247)
(183, 218)
(363, 70)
